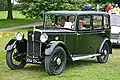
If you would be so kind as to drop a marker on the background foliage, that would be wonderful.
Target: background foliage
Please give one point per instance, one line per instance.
(35, 8)
(3, 5)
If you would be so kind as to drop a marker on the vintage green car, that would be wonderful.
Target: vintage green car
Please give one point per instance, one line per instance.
(65, 35)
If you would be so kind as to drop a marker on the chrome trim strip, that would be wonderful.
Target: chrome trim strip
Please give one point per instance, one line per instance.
(83, 57)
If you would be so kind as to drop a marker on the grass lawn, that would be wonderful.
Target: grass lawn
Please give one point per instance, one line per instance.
(19, 19)
(87, 69)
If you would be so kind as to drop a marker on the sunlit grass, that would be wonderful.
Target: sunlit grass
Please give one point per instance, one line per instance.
(18, 20)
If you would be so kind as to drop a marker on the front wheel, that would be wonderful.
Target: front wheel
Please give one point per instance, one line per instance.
(15, 60)
(104, 53)
(56, 62)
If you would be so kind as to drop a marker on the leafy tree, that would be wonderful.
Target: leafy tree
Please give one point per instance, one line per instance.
(36, 8)
(3, 4)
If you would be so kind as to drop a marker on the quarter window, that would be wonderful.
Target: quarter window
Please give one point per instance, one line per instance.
(97, 22)
(83, 22)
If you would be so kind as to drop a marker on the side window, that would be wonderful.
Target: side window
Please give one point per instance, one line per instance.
(106, 24)
(97, 22)
(84, 22)
(70, 22)
(60, 21)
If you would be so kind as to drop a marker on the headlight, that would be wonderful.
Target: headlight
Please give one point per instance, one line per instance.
(19, 36)
(44, 37)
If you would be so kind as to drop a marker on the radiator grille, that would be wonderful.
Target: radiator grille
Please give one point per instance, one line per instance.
(34, 48)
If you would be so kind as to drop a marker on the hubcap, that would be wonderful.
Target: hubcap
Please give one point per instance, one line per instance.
(58, 61)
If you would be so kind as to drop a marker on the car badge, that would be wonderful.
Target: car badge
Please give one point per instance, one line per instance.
(56, 38)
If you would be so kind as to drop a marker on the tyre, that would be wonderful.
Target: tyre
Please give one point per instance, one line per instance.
(104, 53)
(15, 60)
(56, 62)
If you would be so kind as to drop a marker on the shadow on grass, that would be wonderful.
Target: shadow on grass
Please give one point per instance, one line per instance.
(80, 63)
(35, 67)
(70, 64)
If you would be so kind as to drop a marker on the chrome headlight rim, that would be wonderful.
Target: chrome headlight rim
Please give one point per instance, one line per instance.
(19, 36)
(43, 37)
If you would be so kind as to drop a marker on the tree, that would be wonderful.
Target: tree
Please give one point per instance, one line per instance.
(9, 10)
(3, 4)
(36, 8)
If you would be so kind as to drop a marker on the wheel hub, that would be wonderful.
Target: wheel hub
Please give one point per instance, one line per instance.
(58, 61)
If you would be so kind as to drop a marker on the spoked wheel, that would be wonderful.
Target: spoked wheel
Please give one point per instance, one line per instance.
(15, 60)
(56, 62)
(104, 53)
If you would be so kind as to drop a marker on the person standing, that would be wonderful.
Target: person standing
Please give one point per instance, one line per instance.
(108, 8)
(116, 9)
(111, 11)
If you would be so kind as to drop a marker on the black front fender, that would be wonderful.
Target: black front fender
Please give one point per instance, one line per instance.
(52, 45)
(10, 44)
(21, 46)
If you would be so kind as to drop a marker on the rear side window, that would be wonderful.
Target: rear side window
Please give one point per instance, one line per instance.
(84, 22)
(97, 22)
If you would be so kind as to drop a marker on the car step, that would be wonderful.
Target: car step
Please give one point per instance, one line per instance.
(83, 56)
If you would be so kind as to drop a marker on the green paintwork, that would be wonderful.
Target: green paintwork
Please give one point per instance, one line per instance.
(80, 41)
(68, 38)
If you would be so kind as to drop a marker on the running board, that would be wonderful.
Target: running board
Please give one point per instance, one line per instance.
(84, 56)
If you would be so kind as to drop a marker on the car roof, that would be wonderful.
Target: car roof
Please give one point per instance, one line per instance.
(76, 13)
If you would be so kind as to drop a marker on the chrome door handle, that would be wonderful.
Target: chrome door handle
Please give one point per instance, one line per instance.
(78, 34)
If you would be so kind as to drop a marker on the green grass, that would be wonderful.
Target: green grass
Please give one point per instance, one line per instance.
(87, 69)
(16, 14)
(18, 20)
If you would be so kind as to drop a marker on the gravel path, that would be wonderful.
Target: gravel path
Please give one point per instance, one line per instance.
(22, 26)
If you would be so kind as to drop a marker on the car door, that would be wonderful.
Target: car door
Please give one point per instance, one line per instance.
(100, 23)
(84, 38)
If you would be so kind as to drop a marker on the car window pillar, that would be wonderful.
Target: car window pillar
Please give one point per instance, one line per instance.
(102, 21)
(44, 23)
(77, 22)
(91, 22)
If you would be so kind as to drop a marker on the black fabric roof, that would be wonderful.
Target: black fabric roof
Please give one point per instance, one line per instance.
(76, 12)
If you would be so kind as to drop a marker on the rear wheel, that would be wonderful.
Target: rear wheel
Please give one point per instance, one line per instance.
(104, 53)
(15, 60)
(56, 62)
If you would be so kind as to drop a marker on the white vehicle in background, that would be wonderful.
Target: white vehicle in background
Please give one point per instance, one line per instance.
(115, 29)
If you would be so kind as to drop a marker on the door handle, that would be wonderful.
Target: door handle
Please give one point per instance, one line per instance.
(78, 34)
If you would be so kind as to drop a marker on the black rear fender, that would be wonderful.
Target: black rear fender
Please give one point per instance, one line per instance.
(110, 46)
(109, 43)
